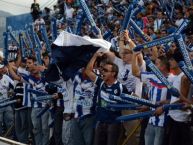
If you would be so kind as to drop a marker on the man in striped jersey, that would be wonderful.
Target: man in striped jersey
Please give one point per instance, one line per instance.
(158, 93)
(21, 111)
(33, 80)
(108, 85)
(83, 105)
(24, 66)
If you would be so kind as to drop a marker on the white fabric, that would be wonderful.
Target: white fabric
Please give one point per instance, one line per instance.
(68, 39)
(69, 12)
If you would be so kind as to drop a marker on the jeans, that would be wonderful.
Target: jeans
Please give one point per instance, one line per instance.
(58, 120)
(21, 125)
(6, 116)
(83, 131)
(142, 131)
(154, 135)
(67, 132)
(40, 127)
(107, 134)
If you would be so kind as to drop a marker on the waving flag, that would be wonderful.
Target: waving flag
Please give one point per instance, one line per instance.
(70, 53)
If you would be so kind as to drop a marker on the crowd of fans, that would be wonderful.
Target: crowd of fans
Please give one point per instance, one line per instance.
(81, 116)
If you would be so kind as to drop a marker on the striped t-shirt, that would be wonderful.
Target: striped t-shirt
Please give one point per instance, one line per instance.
(157, 92)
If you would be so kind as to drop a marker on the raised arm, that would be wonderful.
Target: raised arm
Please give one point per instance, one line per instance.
(125, 41)
(184, 90)
(13, 74)
(18, 61)
(89, 68)
(135, 65)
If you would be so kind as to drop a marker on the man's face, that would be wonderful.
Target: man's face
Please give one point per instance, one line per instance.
(107, 72)
(126, 56)
(159, 65)
(173, 63)
(159, 15)
(29, 64)
(46, 60)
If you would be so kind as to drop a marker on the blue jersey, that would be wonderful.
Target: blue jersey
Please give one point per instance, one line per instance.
(104, 91)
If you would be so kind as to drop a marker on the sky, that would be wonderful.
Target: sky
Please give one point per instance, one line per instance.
(17, 7)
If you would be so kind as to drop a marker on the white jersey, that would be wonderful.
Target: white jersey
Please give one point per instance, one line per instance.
(5, 83)
(157, 92)
(178, 115)
(132, 83)
(68, 95)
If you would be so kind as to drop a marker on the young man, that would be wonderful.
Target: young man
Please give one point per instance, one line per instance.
(84, 107)
(158, 93)
(179, 127)
(34, 80)
(125, 76)
(108, 85)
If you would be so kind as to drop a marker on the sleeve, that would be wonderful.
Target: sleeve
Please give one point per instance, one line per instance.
(125, 91)
(25, 78)
(98, 81)
(68, 98)
(143, 67)
(145, 76)
(118, 61)
(10, 83)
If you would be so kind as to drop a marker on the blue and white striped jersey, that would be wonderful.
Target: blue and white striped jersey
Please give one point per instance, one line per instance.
(104, 114)
(83, 95)
(35, 84)
(105, 91)
(157, 92)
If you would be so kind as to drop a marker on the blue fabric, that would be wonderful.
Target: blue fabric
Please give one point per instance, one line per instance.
(69, 60)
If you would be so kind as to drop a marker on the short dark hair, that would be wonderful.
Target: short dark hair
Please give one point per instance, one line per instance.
(164, 61)
(115, 68)
(32, 58)
(101, 59)
(45, 54)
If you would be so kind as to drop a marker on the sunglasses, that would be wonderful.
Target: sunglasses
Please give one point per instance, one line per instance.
(125, 53)
(106, 70)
